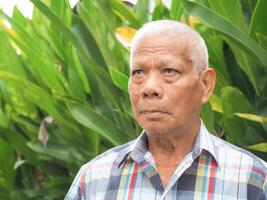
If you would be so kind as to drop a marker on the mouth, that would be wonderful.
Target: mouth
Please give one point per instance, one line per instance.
(153, 113)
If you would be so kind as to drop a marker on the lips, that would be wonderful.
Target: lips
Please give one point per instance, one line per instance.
(151, 113)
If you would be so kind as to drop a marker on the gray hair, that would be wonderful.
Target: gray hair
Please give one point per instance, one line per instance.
(196, 50)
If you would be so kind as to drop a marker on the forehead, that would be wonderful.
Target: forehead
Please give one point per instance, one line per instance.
(163, 48)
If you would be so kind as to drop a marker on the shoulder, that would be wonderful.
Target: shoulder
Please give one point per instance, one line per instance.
(108, 159)
(96, 171)
(234, 158)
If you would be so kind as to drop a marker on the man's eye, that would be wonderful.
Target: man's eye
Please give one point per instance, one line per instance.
(169, 71)
(138, 73)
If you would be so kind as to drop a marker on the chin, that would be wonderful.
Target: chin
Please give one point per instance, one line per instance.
(156, 128)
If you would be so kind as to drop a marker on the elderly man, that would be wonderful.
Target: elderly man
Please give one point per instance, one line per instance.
(175, 157)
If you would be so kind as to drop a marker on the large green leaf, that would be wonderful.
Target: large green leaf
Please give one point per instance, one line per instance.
(86, 39)
(94, 121)
(11, 62)
(239, 131)
(238, 77)
(215, 21)
(90, 66)
(37, 96)
(258, 22)
(216, 57)
(53, 151)
(231, 10)
(48, 72)
(68, 35)
(90, 22)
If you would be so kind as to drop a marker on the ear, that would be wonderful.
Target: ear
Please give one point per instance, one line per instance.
(208, 79)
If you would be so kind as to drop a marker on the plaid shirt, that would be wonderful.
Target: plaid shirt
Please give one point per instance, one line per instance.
(214, 169)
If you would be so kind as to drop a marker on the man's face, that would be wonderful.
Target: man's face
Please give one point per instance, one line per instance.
(164, 90)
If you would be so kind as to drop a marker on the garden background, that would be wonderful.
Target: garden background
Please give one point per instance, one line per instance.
(63, 83)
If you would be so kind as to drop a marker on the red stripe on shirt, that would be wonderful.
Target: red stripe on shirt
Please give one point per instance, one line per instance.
(132, 183)
(212, 179)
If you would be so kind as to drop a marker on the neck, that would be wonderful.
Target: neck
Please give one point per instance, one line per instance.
(169, 149)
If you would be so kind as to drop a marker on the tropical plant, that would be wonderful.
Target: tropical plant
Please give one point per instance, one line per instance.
(64, 74)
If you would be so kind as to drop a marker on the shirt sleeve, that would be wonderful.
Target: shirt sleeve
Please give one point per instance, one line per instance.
(77, 189)
(265, 188)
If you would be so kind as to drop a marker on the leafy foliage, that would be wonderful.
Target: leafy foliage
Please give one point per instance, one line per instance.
(72, 68)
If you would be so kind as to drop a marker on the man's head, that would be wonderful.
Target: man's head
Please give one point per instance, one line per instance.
(170, 78)
(196, 51)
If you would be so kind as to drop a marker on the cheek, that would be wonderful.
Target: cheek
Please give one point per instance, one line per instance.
(134, 96)
(187, 97)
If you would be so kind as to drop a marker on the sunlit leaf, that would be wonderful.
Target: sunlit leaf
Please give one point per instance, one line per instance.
(259, 147)
(119, 79)
(252, 117)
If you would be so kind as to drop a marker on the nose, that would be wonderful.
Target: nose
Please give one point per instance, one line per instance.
(153, 87)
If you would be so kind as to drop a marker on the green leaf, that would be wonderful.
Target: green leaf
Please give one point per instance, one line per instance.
(80, 71)
(243, 79)
(18, 142)
(239, 131)
(123, 11)
(86, 38)
(4, 121)
(27, 38)
(11, 62)
(53, 151)
(69, 36)
(95, 121)
(48, 73)
(90, 66)
(37, 95)
(231, 10)
(258, 22)
(19, 17)
(263, 40)
(160, 12)
(216, 57)
(259, 147)
(207, 116)
(19, 163)
(176, 9)
(96, 34)
(213, 20)
(62, 10)
(7, 160)
(141, 9)
(252, 117)
(74, 79)
(216, 103)
(120, 80)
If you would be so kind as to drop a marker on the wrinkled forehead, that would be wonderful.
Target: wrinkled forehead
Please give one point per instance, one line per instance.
(162, 34)
(161, 43)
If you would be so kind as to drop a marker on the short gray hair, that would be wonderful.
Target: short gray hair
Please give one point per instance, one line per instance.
(196, 50)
